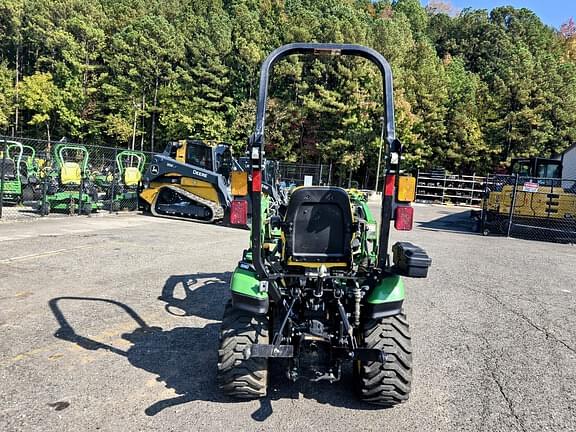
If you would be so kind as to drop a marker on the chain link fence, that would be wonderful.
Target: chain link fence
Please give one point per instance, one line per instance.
(531, 208)
(39, 177)
(296, 173)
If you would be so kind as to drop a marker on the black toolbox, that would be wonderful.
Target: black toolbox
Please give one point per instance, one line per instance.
(410, 260)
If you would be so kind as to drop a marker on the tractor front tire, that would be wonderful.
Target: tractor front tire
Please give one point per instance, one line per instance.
(387, 383)
(237, 376)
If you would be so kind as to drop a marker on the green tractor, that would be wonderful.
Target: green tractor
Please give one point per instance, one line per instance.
(125, 180)
(317, 288)
(10, 169)
(70, 189)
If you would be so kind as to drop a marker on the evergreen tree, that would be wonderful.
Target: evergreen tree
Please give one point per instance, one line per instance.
(472, 88)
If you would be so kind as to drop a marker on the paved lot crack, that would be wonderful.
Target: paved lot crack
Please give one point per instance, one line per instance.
(548, 335)
(490, 361)
(509, 402)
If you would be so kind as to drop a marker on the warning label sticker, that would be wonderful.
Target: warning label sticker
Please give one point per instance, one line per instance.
(530, 187)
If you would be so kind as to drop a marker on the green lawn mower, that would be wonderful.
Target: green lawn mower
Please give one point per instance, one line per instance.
(122, 190)
(11, 173)
(324, 292)
(69, 188)
(30, 174)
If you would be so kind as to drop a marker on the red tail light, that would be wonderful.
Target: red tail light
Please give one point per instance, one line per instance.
(239, 212)
(256, 181)
(389, 185)
(404, 218)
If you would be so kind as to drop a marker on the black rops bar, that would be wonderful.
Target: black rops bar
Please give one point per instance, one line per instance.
(257, 140)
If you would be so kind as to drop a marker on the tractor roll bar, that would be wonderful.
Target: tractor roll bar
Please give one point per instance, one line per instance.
(257, 139)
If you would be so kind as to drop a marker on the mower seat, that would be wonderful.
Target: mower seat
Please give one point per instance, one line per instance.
(132, 176)
(70, 174)
(318, 228)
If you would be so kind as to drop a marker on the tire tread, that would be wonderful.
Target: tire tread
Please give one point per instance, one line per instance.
(387, 383)
(239, 377)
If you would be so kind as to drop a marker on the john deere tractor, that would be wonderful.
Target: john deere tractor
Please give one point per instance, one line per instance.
(70, 189)
(317, 288)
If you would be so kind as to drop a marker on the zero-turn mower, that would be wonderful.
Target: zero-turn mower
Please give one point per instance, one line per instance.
(317, 288)
(11, 170)
(122, 183)
(69, 188)
(30, 172)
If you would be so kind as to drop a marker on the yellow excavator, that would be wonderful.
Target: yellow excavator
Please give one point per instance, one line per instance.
(190, 181)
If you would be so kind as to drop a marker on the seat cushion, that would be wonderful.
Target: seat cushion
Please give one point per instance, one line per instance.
(70, 174)
(132, 176)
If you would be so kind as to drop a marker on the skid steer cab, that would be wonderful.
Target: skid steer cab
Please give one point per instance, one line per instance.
(317, 288)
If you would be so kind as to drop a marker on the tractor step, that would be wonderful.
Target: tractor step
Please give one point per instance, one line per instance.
(267, 351)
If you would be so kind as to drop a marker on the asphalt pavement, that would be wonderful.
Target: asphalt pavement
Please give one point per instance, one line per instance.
(111, 323)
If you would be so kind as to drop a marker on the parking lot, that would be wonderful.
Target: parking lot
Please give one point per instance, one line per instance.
(111, 323)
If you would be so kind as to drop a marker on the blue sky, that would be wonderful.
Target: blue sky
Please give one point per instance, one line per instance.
(552, 12)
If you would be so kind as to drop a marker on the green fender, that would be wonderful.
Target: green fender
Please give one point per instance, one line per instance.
(390, 289)
(386, 298)
(246, 294)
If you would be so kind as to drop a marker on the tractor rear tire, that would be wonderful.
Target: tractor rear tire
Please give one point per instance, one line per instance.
(387, 383)
(237, 376)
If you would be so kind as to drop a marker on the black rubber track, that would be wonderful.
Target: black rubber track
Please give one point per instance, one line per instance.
(386, 384)
(238, 377)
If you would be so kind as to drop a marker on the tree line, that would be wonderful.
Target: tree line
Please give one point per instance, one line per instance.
(473, 88)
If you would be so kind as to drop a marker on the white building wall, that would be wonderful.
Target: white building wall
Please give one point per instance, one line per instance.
(569, 167)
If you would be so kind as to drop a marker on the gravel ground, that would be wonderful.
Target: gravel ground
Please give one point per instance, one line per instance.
(110, 323)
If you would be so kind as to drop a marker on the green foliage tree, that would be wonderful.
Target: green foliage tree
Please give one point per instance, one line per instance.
(42, 97)
(6, 95)
(472, 88)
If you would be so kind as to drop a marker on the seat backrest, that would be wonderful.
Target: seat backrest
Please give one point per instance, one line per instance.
(132, 176)
(318, 227)
(70, 174)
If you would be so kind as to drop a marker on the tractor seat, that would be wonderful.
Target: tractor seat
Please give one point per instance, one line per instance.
(70, 174)
(132, 176)
(318, 228)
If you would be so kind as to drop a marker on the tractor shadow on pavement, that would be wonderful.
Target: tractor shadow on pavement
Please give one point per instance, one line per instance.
(461, 222)
(195, 295)
(185, 358)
